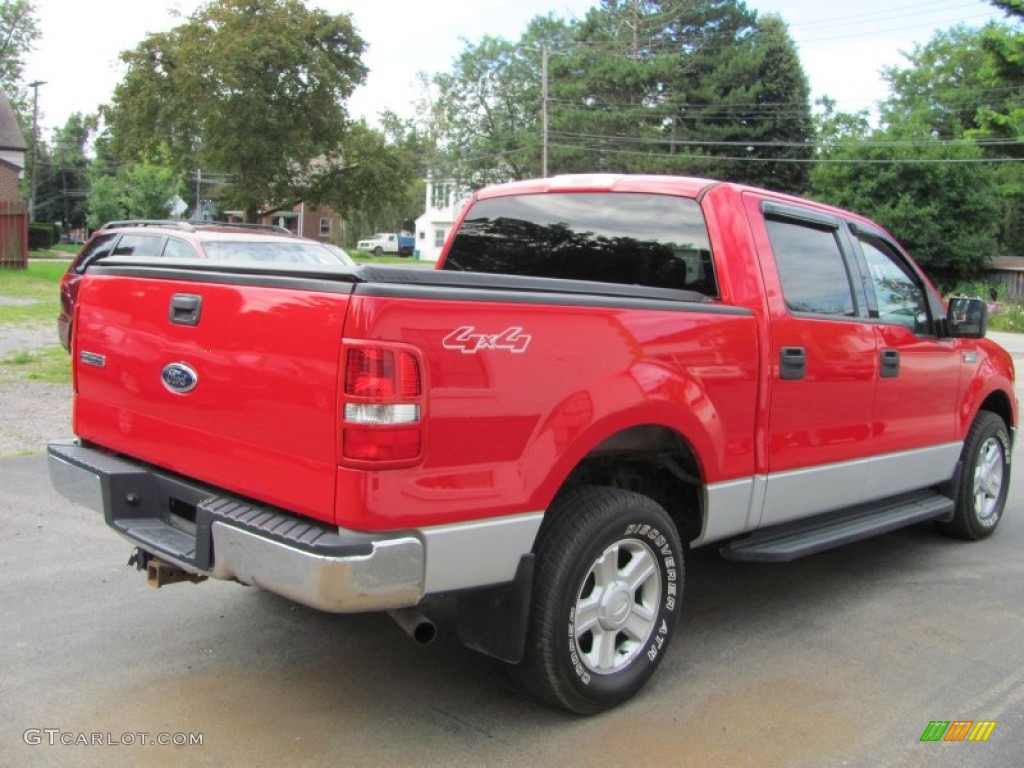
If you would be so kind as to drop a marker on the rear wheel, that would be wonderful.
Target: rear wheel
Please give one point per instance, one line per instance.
(378, 251)
(984, 479)
(606, 596)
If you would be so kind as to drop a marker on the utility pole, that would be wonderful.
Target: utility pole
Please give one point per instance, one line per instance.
(35, 140)
(543, 110)
(199, 183)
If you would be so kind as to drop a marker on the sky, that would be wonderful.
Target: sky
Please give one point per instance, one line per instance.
(843, 46)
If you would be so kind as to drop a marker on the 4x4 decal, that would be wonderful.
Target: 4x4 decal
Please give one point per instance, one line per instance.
(467, 341)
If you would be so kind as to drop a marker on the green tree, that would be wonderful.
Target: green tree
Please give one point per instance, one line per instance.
(657, 86)
(486, 117)
(781, 113)
(19, 30)
(254, 88)
(148, 189)
(944, 84)
(104, 201)
(938, 198)
(1004, 44)
(370, 177)
(963, 85)
(695, 86)
(63, 175)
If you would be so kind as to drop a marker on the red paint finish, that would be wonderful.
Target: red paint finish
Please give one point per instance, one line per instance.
(388, 413)
(263, 420)
(506, 428)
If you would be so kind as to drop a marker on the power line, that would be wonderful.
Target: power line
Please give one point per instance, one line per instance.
(895, 143)
(846, 20)
(803, 160)
(967, 98)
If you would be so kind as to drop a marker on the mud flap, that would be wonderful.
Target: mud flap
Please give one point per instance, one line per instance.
(493, 620)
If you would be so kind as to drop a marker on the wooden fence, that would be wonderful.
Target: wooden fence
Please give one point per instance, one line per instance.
(13, 235)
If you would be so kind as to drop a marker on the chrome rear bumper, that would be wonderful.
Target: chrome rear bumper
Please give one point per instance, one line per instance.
(207, 532)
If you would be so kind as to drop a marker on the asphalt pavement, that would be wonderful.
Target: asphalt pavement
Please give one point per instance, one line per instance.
(840, 659)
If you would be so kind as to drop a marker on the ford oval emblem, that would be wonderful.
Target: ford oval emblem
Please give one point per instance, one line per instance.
(179, 378)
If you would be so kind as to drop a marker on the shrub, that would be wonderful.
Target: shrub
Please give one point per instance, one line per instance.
(1009, 316)
(41, 237)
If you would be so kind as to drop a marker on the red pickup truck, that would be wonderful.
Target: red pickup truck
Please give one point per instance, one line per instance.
(604, 372)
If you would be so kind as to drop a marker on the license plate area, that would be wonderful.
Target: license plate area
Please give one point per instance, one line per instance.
(182, 515)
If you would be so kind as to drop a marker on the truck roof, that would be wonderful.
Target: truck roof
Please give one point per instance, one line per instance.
(684, 186)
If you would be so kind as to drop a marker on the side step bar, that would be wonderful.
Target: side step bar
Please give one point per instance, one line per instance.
(789, 541)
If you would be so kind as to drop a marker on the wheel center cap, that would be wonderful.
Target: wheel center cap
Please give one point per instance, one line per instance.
(615, 606)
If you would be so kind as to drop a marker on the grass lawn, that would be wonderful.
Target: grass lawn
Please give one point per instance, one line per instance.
(40, 283)
(365, 257)
(51, 364)
(59, 251)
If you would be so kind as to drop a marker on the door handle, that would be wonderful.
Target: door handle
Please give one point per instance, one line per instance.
(792, 363)
(890, 367)
(185, 309)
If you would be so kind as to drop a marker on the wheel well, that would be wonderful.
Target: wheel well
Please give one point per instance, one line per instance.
(651, 460)
(999, 404)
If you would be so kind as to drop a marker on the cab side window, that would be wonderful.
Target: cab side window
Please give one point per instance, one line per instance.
(139, 245)
(176, 249)
(97, 248)
(811, 268)
(901, 299)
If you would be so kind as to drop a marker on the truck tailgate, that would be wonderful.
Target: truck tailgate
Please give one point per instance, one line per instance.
(232, 382)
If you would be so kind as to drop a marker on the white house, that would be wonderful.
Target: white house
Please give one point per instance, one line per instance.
(444, 202)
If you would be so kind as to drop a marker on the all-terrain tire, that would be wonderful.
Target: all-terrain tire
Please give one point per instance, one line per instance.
(984, 479)
(606, 596)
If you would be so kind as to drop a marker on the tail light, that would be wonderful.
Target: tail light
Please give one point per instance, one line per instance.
(382, 406)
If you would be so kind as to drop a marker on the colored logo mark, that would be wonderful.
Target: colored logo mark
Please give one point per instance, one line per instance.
(958, 730)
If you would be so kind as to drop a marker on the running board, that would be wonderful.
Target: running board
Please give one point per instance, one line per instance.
(789, 541)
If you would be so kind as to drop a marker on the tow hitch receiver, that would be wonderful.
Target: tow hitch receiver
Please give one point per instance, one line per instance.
(160, 572)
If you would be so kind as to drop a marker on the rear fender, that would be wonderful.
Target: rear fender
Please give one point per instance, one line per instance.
(586, 420)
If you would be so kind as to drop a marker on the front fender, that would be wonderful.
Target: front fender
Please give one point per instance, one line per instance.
(988, 384)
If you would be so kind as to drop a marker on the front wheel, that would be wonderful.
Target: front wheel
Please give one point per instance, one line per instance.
(606, 597)
(984, 479)
(378, 251)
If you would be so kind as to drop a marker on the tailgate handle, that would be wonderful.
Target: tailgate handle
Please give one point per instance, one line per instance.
(185, 308)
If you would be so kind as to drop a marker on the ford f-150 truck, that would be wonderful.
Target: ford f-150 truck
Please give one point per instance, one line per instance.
(604, 372)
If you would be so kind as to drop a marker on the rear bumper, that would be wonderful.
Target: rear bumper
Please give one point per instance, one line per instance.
(206, 531)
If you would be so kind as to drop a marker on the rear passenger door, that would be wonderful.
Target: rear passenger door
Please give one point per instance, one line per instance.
(822, 362)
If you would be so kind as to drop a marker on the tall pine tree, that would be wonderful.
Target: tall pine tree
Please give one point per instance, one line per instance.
(697, 87)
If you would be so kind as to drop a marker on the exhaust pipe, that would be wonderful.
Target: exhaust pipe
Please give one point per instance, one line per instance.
(415, 624)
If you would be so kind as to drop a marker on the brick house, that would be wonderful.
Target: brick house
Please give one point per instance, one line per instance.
(305, 220)
(12, 152)
(13, 213)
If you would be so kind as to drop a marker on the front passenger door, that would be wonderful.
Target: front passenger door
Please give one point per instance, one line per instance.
(914, 421)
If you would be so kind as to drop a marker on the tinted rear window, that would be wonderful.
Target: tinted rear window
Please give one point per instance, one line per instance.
(659, 241)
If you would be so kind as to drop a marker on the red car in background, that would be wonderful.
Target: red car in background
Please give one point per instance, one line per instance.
(185, 240)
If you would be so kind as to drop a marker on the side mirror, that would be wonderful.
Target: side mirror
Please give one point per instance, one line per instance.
(967, 318)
